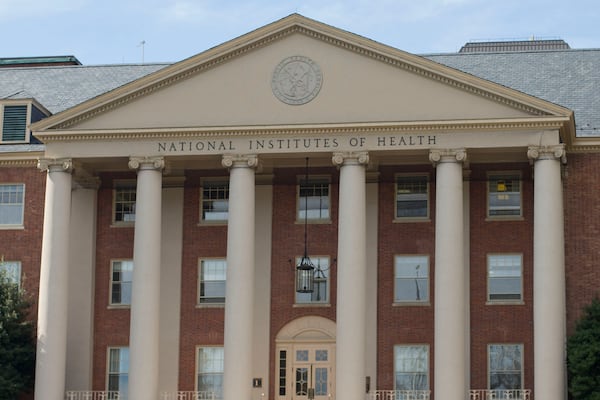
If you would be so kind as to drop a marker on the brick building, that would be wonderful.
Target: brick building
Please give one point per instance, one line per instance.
(304, 213)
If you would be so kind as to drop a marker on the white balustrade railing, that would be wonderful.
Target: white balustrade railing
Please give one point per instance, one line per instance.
(187, 395)
(399, 395)
(93, 395)
(481, 394)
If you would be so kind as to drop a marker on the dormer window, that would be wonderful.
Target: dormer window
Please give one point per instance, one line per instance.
(15, 117)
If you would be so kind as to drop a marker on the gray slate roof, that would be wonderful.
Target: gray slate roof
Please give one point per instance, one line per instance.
(570, 78)
(59, 88)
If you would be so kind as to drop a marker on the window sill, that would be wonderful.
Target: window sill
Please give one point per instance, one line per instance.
(411, 220)
(119, 224)
(412, 304)
(299, 305)
(212, 223)
(210, 305)
(119, 306)
(505, 303)
(506, 218)
(314, 221)
(11, 227)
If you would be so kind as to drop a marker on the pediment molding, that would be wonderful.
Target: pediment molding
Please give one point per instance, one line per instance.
(546, 123)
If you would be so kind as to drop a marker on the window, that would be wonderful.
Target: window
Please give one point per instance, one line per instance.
(212, 273)
(12, 271)
(411, 367)
(124, 204)
(210, 371)
(321, 282)
(505, 366)
(215, 201)
(14, 123)
(118, 372)
(282, 372)
(411, 279)
(504, 195)
(120, 284)
(412, 196)
(313, 199)
(505, 277)
(11, 204)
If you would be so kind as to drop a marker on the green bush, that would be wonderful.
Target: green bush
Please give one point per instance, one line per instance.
(17, 343)
(583, 356)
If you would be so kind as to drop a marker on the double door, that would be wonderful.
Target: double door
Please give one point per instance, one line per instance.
(313, 372)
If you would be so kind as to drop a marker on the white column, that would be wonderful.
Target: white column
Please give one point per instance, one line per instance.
(239, 294)
(54, 282)
(82, 261)
(145, 289)
(450, 320)
(351, 277)
(549, 304)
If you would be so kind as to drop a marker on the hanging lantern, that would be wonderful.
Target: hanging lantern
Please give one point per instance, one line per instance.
(305, 276)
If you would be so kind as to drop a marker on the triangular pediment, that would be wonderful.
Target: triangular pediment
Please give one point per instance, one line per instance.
(340, 78)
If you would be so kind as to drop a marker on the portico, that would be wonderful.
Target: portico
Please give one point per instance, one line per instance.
(405, 113)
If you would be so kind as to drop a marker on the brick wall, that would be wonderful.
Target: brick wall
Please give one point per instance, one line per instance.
(582, 233)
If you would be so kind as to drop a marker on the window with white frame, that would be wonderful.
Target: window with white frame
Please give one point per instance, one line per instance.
(12, 204)
(411, 367)
(505, 366)
(212, 273)
(11, 271)
(320, 293)
(118, 372)
(313, 199)
(504, 195)
(210, 361)
(215, 201)
(124, 204)
(412, 196)
(505, 277)
(411, 278)
(121, 276)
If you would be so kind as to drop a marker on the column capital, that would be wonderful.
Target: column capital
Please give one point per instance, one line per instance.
(535, 153)
(437, 156)
(354, 158)
(140, 163)
(239, 160)
(55, 164)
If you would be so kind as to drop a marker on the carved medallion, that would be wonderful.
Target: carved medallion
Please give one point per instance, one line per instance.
(296, 80)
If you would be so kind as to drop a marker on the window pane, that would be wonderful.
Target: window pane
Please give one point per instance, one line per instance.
(505, 361)
(412, 196)
(212, 281)
(411, 278)
(12, 271)
(313, 200)
(122, 275)
(125, 204)
(118, 370)
(210, 370)
(11, 204)
(504, 277)
(411, 367)
(504, 195)
(215, 201)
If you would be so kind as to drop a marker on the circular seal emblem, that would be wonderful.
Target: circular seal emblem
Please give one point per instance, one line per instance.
(296, 80)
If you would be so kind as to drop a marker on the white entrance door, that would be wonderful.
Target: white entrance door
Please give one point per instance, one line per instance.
(312, 372)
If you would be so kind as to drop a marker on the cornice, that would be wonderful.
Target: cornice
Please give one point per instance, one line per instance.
(296, 24)
(584, 145)
(542, 123)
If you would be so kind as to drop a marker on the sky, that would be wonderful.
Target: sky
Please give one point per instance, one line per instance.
(136, 31)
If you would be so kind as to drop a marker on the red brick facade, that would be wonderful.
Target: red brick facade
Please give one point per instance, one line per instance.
(396, 324)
